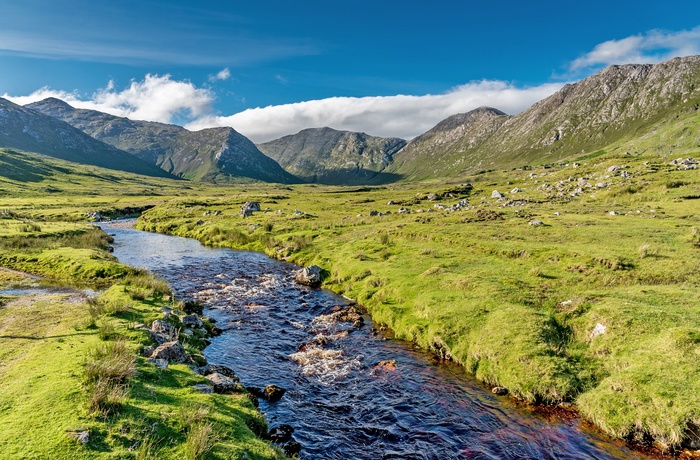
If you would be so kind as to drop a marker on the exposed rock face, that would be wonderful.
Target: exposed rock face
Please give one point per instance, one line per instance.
(215, 154)
(173, 352)
(580, 117)
(327, 156)
(25, 129)
(309, 276)
(163, 332)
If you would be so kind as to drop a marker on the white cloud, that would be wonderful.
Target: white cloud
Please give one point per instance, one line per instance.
(392, 116)
(648, 48)
(156, 98)
(222, 75)
(162, 99)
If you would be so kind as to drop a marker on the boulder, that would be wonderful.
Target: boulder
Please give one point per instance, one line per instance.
(309, 276)
(292, 449)
(192, 321)
(249, 207)
(280, 434)
(535, 223)
(163, 332)
(500, 391)
(599, 329)
(225, 385)
(218, 369)
(173, 352)
(389, 364)
(433, 197)
(496, 194)
(270, 393)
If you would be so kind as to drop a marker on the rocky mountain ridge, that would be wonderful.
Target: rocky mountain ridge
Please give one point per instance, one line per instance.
(619, 102)
(26, 129)
(329, 156)
(214, 154)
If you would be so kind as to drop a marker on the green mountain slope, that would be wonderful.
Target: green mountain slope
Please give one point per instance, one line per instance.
(328, 156)
(26, 129)
(216, 154)
(618, 103)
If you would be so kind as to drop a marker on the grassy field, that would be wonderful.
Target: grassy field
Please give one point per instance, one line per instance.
(579, 285)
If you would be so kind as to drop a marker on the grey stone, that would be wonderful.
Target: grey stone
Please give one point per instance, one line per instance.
(309, 276)
(171, 351)
(225, 385)
(192, 321)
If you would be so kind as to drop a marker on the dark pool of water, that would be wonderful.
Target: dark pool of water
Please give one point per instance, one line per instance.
(340, 404)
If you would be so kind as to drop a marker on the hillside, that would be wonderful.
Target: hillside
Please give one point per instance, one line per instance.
(618, 103)
(26, 129)
(216, 154)
(328, 156)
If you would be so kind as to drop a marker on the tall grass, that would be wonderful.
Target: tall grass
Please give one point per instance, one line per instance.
(107, 371)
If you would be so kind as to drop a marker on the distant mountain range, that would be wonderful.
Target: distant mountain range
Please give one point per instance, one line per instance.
(216, 154)
(25, 129)
(328, 156)
(617, 104)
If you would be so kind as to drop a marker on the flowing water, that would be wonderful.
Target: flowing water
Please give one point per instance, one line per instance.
(340, 403)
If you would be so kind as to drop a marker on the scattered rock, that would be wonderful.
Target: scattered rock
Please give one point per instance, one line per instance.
(499, 391)
(270, 393)
(602, 185)
(249, 207)
(613, 213)
(292, 449)
(496, 194)
(536, 223)
(274, 393)
(433, 197)
(389, 364)
(373, 213)
(163, 332)
(161, 363)
(225, 385)
(280, 434)
(597, 330)
(95, 216)
(309, 276)
(147, 351)
(192, 321)
(171, 351)
(691, 438)
(516, 190)
(391, 203)
(614, 169)
(81, 436)
(403, 210)
(219, 369)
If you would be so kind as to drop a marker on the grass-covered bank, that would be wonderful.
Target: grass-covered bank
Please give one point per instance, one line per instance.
(72, 381)
(579, 285)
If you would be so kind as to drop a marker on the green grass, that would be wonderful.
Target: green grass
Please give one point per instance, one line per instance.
(515, 304)
(70, 364)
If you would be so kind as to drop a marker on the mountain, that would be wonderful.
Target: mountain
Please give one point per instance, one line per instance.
(618, 103)
(25, 129)
(215, 154)
(328, 156)
(457, 137)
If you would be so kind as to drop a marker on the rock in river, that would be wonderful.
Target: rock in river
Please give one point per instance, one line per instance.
(309, 276)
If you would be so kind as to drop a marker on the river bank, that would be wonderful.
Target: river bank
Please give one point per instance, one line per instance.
(556, 311)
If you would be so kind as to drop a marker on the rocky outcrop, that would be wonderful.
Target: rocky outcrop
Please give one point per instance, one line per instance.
(328, 156)
(214, 154)
(173, 352)
(309, 276)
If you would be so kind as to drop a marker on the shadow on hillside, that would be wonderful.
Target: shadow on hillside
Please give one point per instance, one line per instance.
(354, 176)
(21, 170)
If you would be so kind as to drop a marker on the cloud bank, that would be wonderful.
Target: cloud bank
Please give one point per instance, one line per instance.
(162, 99)
(389, 116)
(648, 48)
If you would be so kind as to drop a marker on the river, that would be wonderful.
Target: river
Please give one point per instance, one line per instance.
(341, 405)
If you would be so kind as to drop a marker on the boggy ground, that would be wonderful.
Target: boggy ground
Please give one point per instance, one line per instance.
(578, 285)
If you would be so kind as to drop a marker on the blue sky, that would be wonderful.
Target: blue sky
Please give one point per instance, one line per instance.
(270, 68)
